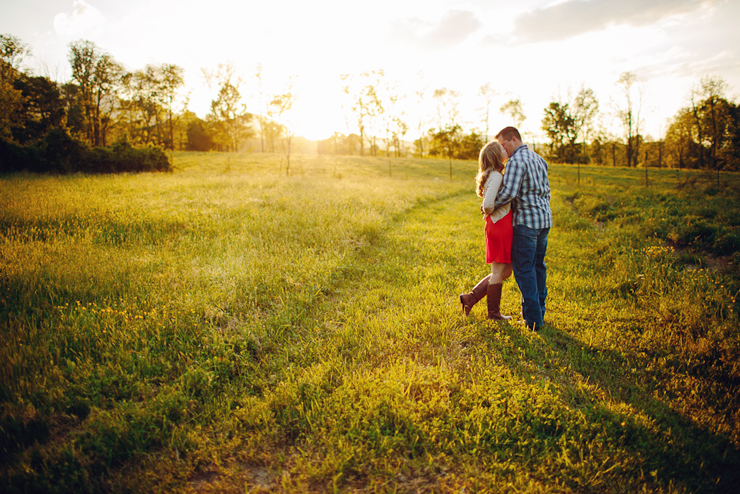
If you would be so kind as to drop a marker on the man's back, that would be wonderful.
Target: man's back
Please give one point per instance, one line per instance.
(527, 185)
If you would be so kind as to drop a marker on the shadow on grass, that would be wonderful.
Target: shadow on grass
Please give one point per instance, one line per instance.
(620, 402)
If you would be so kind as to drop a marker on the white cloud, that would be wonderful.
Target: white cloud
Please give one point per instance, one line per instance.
(574, 17)
(449, 31)
(454, 28)
(83, 20)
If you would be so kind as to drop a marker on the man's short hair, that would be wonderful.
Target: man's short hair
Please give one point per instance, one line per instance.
(508, 134)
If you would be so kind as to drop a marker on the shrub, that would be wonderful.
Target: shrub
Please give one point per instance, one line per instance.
(726, 243)
(58, 152)
(14, 158)
(61, 153)
(122, 157)
(697, 233)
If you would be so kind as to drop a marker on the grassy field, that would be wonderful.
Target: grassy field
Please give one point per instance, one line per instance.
(226, 329)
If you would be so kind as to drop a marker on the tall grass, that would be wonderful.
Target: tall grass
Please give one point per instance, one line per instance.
(226, 327)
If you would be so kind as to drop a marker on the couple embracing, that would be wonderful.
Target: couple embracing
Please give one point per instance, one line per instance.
(516, 208)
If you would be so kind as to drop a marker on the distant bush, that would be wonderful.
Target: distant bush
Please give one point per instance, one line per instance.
(17, 158)
(122, 157)
(58, 152)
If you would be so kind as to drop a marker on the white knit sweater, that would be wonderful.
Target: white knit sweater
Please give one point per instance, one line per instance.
(493, 183)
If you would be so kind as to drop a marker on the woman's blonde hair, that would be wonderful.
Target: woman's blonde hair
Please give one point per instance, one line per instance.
(491, 158)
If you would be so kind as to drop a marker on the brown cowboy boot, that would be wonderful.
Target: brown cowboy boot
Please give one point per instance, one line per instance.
(468, 300)
(494, 302)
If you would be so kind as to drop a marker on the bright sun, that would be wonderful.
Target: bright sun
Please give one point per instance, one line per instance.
(316, 121)
(317, 111)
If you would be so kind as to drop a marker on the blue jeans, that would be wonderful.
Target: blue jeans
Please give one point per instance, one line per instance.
(528, 262)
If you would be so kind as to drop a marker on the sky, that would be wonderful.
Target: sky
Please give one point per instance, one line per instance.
(536, 51)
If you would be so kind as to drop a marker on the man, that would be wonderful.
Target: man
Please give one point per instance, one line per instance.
(527, 187)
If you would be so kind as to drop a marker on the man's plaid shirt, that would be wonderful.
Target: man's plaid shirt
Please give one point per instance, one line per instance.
(527, 187)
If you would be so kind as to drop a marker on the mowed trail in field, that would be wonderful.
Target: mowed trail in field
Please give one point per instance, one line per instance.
(396, 389)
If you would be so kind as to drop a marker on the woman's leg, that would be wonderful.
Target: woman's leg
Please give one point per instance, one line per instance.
(468, 300)
(499, 272)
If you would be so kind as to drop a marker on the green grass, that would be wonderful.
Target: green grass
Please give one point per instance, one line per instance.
(225, 328)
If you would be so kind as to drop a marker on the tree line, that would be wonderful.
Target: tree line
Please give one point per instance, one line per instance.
(703, 135)
(103, 104)
(46, 126)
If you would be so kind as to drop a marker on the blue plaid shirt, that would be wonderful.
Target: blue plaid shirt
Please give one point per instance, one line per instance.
(527, 187)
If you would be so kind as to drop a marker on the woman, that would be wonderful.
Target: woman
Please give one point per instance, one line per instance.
(498, 232)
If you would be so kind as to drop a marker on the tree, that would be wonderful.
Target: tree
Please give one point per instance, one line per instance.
(486, 93)
(12, 53)
(629, 115)
(106, 81)
(143, 106)
(268, 128)
(705, 133)
(606, 148)
(513, 109)
(681, 149)
(229, 117)
(713, 122)
(445, 143)
(698, 127)
(283, 103)
(364, 102)
(74, 110)
(180, 121)
(272, 128)
(714, 117)
(423, 118)
(560, 127)
(261, 109)
(400, 128)
(447, 108)
(392, 119)
(172, 78)
(339, 144)
(42, 108)
(98, 76)
(199, 136)
(469, 146)
(585, 110)
(11, 103)
(597, 149)
(731, 152)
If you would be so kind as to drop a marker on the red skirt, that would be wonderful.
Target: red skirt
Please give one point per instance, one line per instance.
(498, 240)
